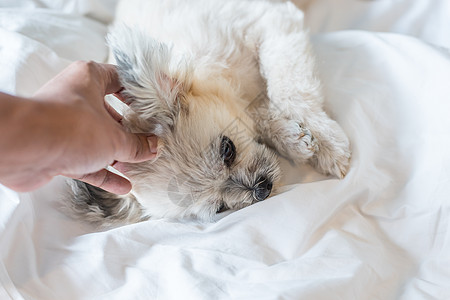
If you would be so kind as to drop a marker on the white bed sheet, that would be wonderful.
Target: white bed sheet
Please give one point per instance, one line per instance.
(383, 232)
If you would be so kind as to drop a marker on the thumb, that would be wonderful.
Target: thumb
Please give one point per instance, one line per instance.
(137, 148)
(107, 181)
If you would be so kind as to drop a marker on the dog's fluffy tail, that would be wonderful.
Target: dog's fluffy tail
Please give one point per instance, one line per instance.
(101, 208)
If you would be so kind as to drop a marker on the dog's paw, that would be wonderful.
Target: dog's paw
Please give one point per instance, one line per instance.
(333, 155)
(306, 143)
(332, 162)
(293, 139)
(321, 142)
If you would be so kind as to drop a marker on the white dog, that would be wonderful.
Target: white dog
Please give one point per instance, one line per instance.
(224, 84)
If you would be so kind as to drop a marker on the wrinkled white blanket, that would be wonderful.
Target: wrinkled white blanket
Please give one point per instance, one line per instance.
(383, 232)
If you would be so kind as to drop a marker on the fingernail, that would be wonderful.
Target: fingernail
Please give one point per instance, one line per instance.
(153, 143)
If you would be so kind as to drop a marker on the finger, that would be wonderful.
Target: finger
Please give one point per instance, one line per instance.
(120, 95)
(120, 166)
(137, 148)
(112, 112)
(108, 181)
(111, 78)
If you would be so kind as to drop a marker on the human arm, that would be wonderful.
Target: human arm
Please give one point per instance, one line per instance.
(67, 129)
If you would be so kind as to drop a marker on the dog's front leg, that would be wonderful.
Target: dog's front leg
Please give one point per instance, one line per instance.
(295, 122)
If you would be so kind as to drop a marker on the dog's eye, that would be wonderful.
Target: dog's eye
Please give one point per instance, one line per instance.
(227, 151)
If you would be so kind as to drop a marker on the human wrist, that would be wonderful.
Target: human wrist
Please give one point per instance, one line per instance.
(32, 131)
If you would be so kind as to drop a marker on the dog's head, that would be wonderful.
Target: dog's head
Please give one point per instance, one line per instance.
(209, 158)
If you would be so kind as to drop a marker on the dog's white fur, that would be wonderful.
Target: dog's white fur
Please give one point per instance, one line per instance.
(192, 71)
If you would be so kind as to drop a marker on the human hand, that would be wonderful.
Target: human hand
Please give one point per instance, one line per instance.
(77, 134)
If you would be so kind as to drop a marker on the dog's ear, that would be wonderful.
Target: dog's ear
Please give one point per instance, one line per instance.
(155, 84)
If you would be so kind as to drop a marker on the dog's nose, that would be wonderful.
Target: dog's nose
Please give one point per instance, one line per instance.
(262, 188)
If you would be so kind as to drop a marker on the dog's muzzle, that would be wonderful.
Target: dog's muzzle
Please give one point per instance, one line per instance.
(262, 188)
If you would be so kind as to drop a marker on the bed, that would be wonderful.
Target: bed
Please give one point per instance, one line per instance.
(382, 232)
